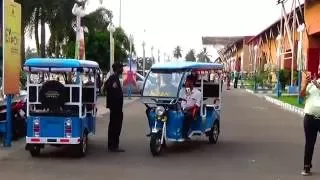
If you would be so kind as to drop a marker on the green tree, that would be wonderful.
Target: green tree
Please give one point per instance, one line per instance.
(98, 47)
(191, 56)
(177, 52)
(42, 12)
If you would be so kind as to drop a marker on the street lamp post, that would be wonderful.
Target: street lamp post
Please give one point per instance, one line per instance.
(130, 64)
(143, 59)
(152, 54)
(79, 11)
(158, 55)
(278, 88)
(111, 29)
(255, 67)
(300, 61)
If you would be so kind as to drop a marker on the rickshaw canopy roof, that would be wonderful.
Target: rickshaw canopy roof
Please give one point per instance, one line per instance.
(58, 64)
(184, 66)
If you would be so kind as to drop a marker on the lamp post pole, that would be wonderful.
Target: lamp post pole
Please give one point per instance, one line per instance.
(255, 67)
(79, 11)
(278, 67)
(130, 65)
(300, 61)
(143, 59)
(152, 58)
(111, 30)
(158, 55)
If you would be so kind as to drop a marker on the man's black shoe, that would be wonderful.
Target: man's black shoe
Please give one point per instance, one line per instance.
(116, 150)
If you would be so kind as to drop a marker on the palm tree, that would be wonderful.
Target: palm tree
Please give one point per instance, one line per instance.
(203, 56)
(41, 12)
(177, 52)
(191, 55)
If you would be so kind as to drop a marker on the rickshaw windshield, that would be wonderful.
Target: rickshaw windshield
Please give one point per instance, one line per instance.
(162, 84)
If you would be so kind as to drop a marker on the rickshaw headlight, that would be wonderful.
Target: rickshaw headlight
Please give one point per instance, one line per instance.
(160, 110)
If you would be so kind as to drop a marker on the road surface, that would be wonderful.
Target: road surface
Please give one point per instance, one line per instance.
(258, 141)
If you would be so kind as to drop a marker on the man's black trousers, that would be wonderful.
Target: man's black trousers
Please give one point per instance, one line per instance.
(115, 125)
(311, 129)
(188, 117)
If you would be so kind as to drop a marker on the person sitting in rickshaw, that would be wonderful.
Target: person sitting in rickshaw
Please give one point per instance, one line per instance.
(190, 104)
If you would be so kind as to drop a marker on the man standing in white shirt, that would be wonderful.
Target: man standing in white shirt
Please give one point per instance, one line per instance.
(311, 89)
(190, 105)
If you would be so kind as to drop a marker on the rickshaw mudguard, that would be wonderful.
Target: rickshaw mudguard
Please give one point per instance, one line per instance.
(174, 124)
(54, 127)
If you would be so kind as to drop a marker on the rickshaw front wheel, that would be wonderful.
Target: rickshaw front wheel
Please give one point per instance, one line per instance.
(214, 133)
(155, 144)
(35, 151)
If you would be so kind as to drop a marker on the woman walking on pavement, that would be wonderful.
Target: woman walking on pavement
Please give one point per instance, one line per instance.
(311, 90)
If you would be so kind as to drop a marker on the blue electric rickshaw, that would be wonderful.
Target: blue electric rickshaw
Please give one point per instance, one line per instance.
(163, 96)
(61, 103)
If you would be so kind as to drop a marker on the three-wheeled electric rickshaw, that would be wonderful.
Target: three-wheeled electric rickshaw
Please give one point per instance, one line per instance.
(163, 98)
(61, 103)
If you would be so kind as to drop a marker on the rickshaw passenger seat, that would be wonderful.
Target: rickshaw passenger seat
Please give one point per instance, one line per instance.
(88, 95)
(75, 94)
(32, 94)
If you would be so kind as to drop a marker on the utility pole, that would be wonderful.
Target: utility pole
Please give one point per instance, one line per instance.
(143, 59)
(153, 61)
(120, 14)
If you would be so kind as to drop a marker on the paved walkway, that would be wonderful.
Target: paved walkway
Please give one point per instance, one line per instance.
(259, 141)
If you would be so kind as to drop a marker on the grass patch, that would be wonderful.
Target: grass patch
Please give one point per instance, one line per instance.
(291, 100)
(249, 84)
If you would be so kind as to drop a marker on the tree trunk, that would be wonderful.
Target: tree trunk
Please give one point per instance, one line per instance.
(36, 30)
(43, 35)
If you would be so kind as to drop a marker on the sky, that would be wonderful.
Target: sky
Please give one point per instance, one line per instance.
(164, 24)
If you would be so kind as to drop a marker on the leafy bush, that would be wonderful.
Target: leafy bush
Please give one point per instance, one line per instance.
(285, 77)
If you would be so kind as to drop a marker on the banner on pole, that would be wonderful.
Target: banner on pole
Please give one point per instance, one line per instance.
(11, 47)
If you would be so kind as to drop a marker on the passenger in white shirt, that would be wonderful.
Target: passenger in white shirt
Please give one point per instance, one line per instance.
(190, 104)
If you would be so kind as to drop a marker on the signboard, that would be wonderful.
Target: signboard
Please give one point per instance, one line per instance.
(11, 47)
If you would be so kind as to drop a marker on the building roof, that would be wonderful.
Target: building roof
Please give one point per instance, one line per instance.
(219, 40)
(276, 23)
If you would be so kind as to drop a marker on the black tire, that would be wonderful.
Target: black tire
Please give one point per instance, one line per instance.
(156, 147)
(35, 151)
(52, 95)
(214, 133)
(82, 148)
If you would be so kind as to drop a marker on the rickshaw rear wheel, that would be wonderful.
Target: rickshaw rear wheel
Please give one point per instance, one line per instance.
(155, 144)
(214, 133)
(82, 147)
(35, 151)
